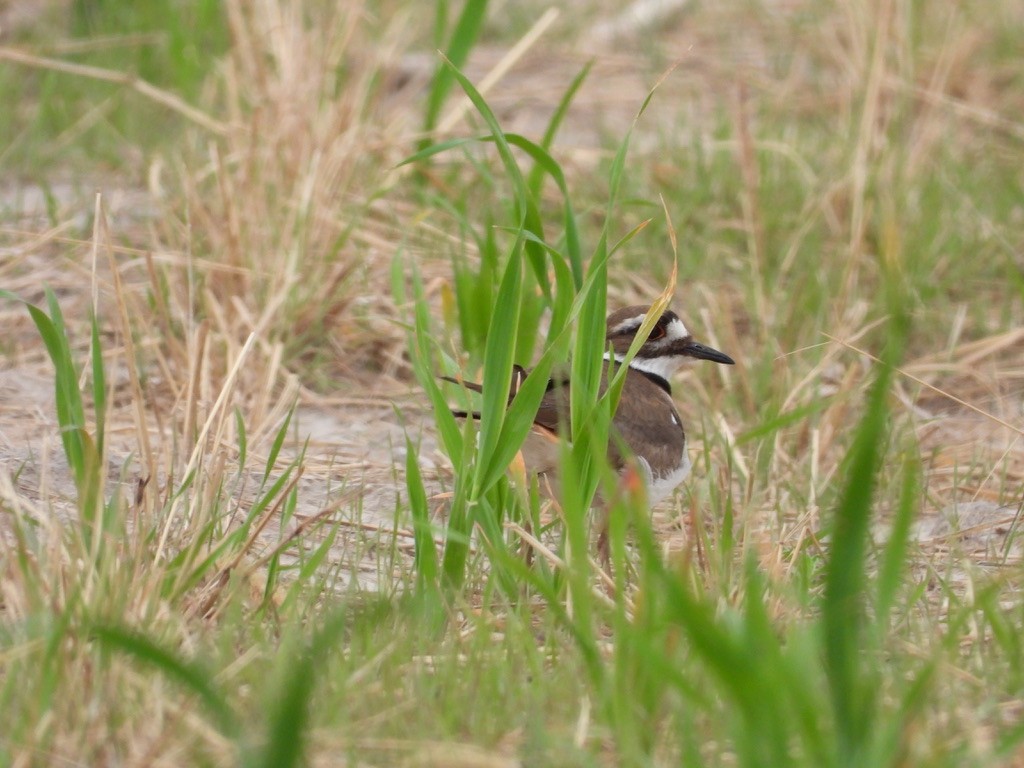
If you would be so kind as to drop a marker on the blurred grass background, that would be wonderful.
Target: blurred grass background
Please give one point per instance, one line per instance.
(215, 534)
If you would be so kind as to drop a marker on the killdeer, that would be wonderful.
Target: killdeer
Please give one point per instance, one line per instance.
(646, 421)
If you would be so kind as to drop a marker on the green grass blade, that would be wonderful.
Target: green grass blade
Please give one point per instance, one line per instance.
(536, 177)
(842, 611)
(435, 149)
(518, 421)
(588, 350)
(526, 206)
(498, 359)
(543, 162)
(243, 439)
(289, 718)
(458, 534)
(422, 354)
(309, 568)
(783, 420)
(426, 553)
(99, 385)
(268, 496)
(464, 37)
(90, 496)
(76, 417)
(187, 674)
(275, 448)
(68, 398)
(894, 555)
(291, 500)
(587, 355)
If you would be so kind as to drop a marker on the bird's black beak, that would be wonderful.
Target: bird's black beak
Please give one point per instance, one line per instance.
(701, 352)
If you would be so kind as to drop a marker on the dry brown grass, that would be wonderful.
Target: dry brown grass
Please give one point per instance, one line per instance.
(260, 281)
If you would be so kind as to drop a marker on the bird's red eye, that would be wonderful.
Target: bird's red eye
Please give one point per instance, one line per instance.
(657, 333)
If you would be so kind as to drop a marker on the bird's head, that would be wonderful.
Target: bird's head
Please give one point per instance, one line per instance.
(667, 349)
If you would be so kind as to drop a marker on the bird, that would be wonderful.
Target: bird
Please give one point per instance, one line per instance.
(646, 421)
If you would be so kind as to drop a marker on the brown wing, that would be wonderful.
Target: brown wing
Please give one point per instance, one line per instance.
(647, 422)
(540, 449)
(554, 406)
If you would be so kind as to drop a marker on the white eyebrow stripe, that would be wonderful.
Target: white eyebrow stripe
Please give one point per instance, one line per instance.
(631, 321)
(676, 329)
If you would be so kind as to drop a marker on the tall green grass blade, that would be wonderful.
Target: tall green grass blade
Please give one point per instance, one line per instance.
(526, 206)
(536, 177)
(422, 354)
(275, 447)
(189, 675)
(588, 350)
(476, 293)
(543, 162)
(269, 496)
(896, 550)
(561, 308)
(242, 436)
(90, 497)
(423, 534)
(84, 455)
(518, 420)
(291, 502)
(577, 492)
(440, 23)
(289, 718)
(491, 511)
(842, 611)
(60, 354)
(464, 37)
(588, 353)
(458, 534)
(622, 241)
(308, 570)
(99, 385)
(70, 413)
(459, 449)
(271, 580)
(498, 358)
(531, 313)
(793, 416)
(429, 151)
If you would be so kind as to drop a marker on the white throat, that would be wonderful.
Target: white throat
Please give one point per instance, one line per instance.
(659, 366)
(663, 367)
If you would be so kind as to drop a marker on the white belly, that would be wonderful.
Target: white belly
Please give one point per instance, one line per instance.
(660, 488)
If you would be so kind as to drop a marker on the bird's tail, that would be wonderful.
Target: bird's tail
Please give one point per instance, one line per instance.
(518, 377)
